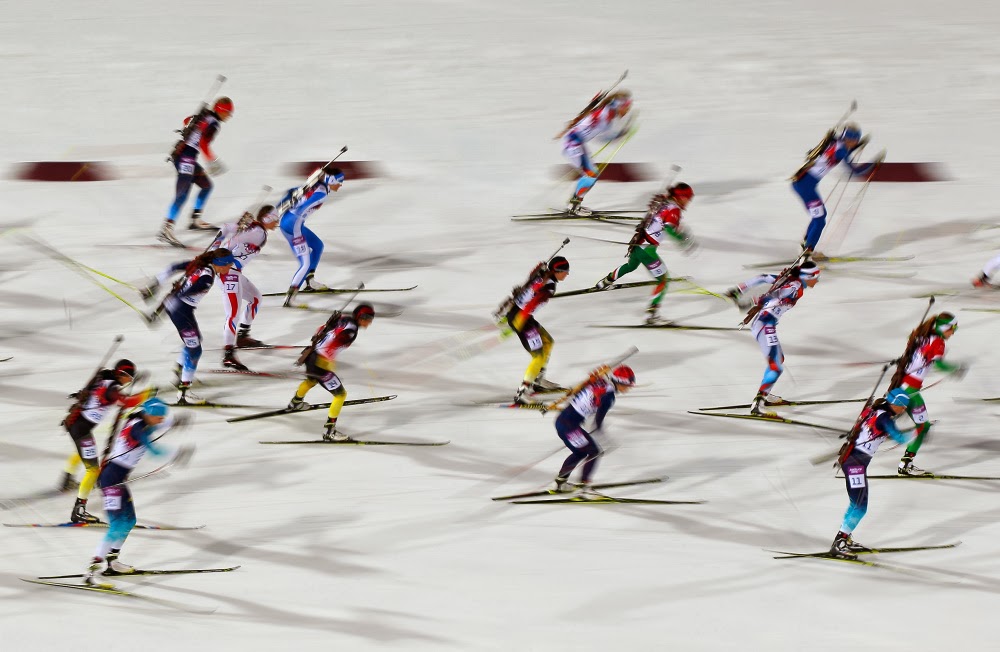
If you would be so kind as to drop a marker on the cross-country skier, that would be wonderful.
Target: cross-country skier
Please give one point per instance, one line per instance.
(772, 304)
(876, 423)
(244, 239)
(663, 218)
(991, 267)
(607, 121)
(320, 359)
(294, 208)
(520, 316)
(593, 400)
(105, 391)
(197, 135)
(824, 157)
(924, 348)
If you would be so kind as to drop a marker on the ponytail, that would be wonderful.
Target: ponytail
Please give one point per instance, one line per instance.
(919, 334)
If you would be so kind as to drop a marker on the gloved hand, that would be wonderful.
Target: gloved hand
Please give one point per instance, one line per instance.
(216, 167)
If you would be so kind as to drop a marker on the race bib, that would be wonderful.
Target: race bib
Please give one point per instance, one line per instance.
(576, 439)
(856, 477)
(816, 210)
(88, 450)
(331, 382)
(300, 246)
(657, 269)
(534, 339)
(919, 415)
(771, 336)
(191, 339)
(112, 502)
(185, 167)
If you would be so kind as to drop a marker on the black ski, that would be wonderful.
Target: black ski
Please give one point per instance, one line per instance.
(102, 524)
(360, 442)
(312, 406)
(210, 404)
(604, 500)
(6, 359)
(342, 291)
(111, 589)
(869, 551)
(932, 476)
(616, 286)
(669, 326)
(819, 259)
(774, 419)
(607, 485)
(143, 571)
(258, 374)
(566, 215)
(786, 403)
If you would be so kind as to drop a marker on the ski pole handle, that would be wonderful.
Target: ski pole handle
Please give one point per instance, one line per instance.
(556, 252)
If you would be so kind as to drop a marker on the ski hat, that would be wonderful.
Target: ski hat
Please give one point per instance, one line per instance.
(808, 270)
(223, 257)
(125, 366)
(223, 105)
(681, 191)
(154, 407)
(623, 375)
(364, 312)
(945, 321)
(851, 132)
(898, 396)
(559, 264)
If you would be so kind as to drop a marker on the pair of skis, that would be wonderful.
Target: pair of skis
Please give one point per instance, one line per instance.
(310, 407)
(342, 291)
(546, 497)
(860, 560)
(102, 524)
(710, 412)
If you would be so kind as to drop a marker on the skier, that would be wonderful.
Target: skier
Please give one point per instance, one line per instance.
(770, 306)
(925, 347)
(594, 399)
(294, 208)
(93, 403)
(130, 444)
(824, 157)
(180, 303)
(197, 135)
(991, 267)
(606, 121)
(662, 217)
(337, 334)
(520, 317)
(876, 423)
(244, 239)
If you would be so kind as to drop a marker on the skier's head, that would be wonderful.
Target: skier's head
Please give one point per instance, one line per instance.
(945, 324)
(851, 135)
(223, 108)
(267, 216)
(222, 260)
(623, 377)
(333, 177)
(809, 273)
(124, 371)
(620, 102)
(364, 314)
(681, 193)
(154, 411)
(560, 267)
(897, 400)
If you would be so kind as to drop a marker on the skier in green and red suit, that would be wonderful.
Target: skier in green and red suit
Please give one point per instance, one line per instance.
(924, 349)
(663, 218)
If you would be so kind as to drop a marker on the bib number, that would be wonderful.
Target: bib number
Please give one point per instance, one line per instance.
(88, 450)
(816, 210)
(534, 339)
(576, 439)
(185, 167)
(191, 339)
(919, 415)
(657, 269)
(771, 336)
(856, 477)
(331, 383)
(112, 502)
(300, 246)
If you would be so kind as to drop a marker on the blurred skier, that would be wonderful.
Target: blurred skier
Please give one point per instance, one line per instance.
(197, 135)
(606, 121)
(320, 359)
(778, 300)
(824, 157)
(991, 267)
(294, 208)
(244, 239)
(663, 217)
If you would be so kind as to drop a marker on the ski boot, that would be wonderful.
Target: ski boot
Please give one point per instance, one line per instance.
(757, 408)
(80, 513)
(542, 384)
(68, 483)
(774, 399)
(243, 339)
(289, 297)
(331, 433)
(560, 485)
(297, 404)
(907, 467)
(116, 567)
(854, 546)
(521, 397)
(310, 284)
(653, 317)
(184, 395)
(95, 565)
(605, 282)
(839, 547)
(575, 207)
(198, 224)
(586, 492)
(230, 362)
(167, 236)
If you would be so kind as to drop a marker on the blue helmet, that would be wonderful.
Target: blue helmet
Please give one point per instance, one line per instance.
(154, 407)
(898, 397)
(851, 132)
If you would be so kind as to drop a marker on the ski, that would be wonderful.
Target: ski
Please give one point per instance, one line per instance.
(819, 260)
(360, 442)
(143, 571)
(111, 589)
(511, 405)
(669, 326)
(775, 419)
(607, 485)
(258, 374)
(102, 524)
(603, 500)
(786, 403)
(566, 215)
(312, 406)
(965, 309)
(342, 291)
(6, 359)
(932, 476)
(210, 404)
(869, 551)
(264, 347)
(616, 286)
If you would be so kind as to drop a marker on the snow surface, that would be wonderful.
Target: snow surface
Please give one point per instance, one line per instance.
(402, 548)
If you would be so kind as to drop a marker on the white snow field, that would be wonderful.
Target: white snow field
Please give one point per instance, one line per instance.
(401, 548)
